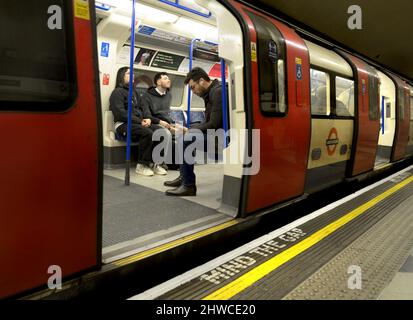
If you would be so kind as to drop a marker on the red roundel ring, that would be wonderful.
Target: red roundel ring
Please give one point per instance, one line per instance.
(332, 141)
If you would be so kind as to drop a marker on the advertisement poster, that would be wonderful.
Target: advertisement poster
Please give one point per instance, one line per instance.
(144, 57)
(167, 61)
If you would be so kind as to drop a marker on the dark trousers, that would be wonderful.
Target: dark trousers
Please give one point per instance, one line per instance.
(187, 168)
(142, 135)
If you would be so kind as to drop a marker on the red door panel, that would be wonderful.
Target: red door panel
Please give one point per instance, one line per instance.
(401, 137)
(284, 141)
(49, 208)
(367, 118)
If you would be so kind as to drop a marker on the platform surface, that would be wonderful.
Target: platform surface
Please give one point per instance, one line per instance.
(356, 248)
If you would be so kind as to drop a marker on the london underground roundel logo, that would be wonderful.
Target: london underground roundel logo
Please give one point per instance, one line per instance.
(332, 141)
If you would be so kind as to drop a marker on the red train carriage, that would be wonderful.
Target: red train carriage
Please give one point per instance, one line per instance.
(50, 117)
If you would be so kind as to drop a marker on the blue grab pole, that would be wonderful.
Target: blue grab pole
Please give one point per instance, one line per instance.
(191, 58)
(131, 80)
(224, 101)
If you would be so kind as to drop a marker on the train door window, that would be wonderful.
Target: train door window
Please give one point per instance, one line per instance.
(144, 80)
(344, 97)
(37, 73)
(373, 97)
(320, 102)
(401, 103)
(271, 66)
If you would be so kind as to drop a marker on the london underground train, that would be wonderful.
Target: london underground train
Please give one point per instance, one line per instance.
(324, 116)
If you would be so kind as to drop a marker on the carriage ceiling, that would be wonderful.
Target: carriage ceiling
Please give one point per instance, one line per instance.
(387, 27)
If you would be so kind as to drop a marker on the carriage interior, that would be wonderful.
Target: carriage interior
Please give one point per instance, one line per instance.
(140, 216)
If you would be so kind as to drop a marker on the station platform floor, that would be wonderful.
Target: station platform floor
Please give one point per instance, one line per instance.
(360, 247)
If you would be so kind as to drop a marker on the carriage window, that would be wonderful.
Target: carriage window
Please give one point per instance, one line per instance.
(320, 102)
(37, 73)
(344, 97)
(272, 67)
(373, 97)
(144, 80)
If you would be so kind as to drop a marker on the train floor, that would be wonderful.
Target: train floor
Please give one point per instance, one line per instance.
(139, 216)
(360, 247)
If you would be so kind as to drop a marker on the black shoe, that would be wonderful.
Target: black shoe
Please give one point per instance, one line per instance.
(182, 191)
(174, 183)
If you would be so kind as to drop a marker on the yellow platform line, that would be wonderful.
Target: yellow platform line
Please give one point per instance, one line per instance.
(246, 280)
(175, 243)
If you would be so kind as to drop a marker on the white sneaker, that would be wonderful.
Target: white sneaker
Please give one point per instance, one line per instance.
(144, 170)
(157, 169)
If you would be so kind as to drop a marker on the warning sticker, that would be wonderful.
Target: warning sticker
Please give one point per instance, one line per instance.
(363, 86)
(253, 52)
(106, 79)
(299, 68)
(82, 9)
(104, 51)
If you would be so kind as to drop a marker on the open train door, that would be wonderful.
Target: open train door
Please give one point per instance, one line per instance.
(367, 117)
(280, 109)
(401, 136)
(49, 120)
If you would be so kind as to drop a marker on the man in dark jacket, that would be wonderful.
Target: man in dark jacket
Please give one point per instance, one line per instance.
(211, 91)
(158, 100)
(142, 128)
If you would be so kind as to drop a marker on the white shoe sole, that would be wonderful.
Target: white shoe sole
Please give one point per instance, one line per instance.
(143, 174)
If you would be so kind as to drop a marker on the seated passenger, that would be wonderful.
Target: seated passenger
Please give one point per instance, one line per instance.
(142, 128)
(211, 92)
(158, 100)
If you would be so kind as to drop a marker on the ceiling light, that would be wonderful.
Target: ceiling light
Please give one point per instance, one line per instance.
(146, 12)
(199, 30)
(142, 11)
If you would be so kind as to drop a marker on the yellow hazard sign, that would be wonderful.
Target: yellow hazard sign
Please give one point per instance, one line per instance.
(82, 9)
(253, 52)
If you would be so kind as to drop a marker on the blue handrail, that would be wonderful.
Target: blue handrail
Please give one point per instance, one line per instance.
(224, 101)
(102, 6)
(182, 7)
(191, 58)
(382, 115)
(130, 105)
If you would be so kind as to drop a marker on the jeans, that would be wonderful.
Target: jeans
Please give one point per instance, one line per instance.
(187, 168)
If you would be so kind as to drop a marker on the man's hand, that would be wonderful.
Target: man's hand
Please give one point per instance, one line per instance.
(165, 124)
(178, 129)
(146, 123)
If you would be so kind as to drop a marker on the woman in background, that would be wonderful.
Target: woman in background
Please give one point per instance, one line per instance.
(142, 128)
